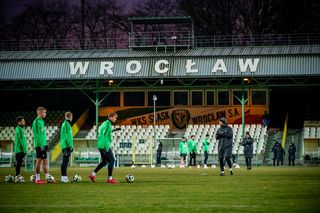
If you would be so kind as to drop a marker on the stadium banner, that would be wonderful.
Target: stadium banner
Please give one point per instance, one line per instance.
(181, 117)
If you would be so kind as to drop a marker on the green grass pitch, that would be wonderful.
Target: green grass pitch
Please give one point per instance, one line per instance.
(263, 189)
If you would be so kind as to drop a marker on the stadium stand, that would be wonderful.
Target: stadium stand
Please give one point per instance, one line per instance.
(311, 141)
(258, 132)
(129, 133)
(311, 132)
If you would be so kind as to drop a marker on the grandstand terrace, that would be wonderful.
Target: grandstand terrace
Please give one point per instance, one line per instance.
(238, 77)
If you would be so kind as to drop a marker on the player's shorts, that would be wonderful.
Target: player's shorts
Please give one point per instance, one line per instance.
(20, 156)
(183, 155)
(107, 155)
(41, 154)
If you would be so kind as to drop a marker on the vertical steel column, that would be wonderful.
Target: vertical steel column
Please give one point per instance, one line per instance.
(242, 110)
(154, 123)
(97, 109)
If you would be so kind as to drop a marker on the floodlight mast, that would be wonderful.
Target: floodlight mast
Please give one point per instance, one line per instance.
(154, 124)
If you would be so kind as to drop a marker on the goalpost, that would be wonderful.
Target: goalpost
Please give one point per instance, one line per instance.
(142, 150)
(170, 151)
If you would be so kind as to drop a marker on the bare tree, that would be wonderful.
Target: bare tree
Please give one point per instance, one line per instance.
(254, 16)
(103, 20)
(44, 23)
(211, 17)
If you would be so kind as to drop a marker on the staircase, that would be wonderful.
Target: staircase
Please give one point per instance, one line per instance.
(274, 135)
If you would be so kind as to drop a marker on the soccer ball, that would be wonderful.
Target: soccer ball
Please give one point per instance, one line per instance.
(50, 179)
(19, 179)
(143, 166)
(163, 166)
(77, 178)
(32, 178)
(237, 166)
(213, 166)
(9, 179)
(133, 166)
(153, 166)
(129, 178)
(171, 166)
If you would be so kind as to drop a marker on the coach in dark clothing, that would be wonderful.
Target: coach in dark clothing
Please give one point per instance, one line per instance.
(248, 149)
(275, 152)
(280, 155)
(224, 136)
(292, 153)
(159, 151)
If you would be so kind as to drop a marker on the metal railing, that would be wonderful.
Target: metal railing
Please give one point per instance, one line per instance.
(174, 38)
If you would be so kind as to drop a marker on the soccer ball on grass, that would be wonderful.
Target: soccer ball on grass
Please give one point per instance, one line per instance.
(19, 179)
(129, 178)
(9, 179)
(77, 178)
(50, 179)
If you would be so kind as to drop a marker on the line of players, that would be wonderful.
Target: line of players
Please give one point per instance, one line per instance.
(66, 142)
(224, 136)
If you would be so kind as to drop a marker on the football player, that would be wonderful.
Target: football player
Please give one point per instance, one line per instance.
(20, 146)
(104, 146)
(40, 143)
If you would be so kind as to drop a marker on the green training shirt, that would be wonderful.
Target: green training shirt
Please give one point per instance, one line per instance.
(20, 141)
(192, 146)
(66, 139)
(105, 135)
(205, 145)
(39, 133)
(183, 147)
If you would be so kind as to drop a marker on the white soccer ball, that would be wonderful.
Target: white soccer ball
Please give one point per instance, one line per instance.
(143, 166)
(19, 179)
(9, 179)
(153, 166)
(32, 178)
(198, 166)
(237, 166)
(163, 166)
(133, 166)
(213, 166)
(77, 178)
(129, 178)
(50, 179)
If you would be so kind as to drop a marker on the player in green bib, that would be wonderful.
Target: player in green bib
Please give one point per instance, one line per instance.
(20, 146)
(66, 142)
(40, 143)
(192, 146)
(104, 146)
(183, 148)
(205, 150)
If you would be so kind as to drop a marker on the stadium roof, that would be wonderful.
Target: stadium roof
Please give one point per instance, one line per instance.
(277, 61)
(195, 52)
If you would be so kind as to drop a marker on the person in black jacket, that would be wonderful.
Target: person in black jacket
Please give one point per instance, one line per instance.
(280, 155)
(292, 153)
(248, 149)
(275, 152)
(159, 150)
(224, 136)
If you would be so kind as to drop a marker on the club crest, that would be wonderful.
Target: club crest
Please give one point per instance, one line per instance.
(180, 118)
